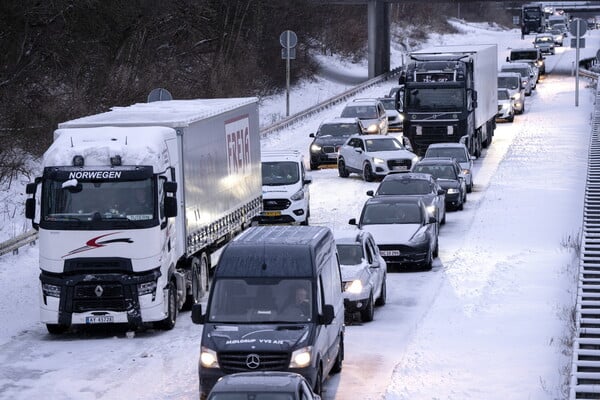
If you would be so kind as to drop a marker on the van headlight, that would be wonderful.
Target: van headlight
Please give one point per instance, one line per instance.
(208, 358)
(299, 195)
(301, 358)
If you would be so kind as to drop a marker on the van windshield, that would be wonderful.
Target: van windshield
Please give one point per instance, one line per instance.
(259, 301)
(275, 173)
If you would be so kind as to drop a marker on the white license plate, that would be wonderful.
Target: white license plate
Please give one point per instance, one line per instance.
(332, 155)
(101, 319)
(390, 253)
(400, 168)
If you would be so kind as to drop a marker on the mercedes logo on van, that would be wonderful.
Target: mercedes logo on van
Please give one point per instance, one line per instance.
(98, 291)
(253, 361)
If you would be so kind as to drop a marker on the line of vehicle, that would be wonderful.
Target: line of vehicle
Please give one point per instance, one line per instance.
(585, 371)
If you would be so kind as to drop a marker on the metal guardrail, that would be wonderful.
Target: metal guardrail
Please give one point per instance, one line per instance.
(30, 236)
(585, 367)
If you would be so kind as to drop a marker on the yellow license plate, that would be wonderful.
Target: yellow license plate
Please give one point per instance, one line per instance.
(271, 213)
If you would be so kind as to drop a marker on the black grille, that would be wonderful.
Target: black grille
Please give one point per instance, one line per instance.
(330, 149)
(107, 291)
(236, 361)
(276, 204)
(394, 164)
(111, 297)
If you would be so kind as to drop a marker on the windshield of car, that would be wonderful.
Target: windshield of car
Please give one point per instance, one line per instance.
(404, 186)
(391, 213)
(459, 154)
(544, 39)
(350, 254)
(276, 173)
(383, 144)
(364, 111)
(251, 395)
(556, 31)
(388, 103)
(338, 129)
(437, 171)
(260, 300)
(509, 82)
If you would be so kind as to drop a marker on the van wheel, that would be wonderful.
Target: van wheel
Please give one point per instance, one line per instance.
(368, 175)
(56, 329)
(318, 387)
(382, 297)
(342, 171)
(305, 222)
(339, 359)
(367, 314)
(199, 281)
(169, 322)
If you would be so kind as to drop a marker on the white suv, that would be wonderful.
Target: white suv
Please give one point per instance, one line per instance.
(374, 156)
(285, 188)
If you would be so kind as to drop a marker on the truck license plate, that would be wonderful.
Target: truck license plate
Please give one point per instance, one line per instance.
(271, 213)
(101, 319)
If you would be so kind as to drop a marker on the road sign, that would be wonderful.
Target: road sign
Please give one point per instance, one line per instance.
(581, 43)
(288, 39)
(159, 94)
(288, 54)
(578, 22)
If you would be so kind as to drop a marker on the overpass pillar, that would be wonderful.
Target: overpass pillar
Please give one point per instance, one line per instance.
(379, 37)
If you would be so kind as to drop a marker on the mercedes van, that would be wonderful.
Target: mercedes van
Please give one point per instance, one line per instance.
(285, 188)
(275, 304)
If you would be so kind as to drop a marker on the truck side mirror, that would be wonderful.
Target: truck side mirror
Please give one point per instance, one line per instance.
(328, 314)
(398, 99)
(31, 188)
(170, 206)
(170, 187)
(197, 316)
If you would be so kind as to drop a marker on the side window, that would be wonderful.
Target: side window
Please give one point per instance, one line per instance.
(369, 252)
(320, 300)
(161, 199)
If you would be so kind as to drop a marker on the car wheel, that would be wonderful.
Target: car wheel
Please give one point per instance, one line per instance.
(367, 314)
(368, 173)
(169, 322)
(461, 206)
(314, 166)
(342, 171)
(318, 386)
(436, 250)
(339, 359)
(443, 222)
(56, 329)
(470, 187)
(382, 297)
(428, 263)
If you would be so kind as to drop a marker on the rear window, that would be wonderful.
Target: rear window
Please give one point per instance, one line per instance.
(510, 82)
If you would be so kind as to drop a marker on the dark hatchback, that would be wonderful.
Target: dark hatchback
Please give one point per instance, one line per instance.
(447, 172)
(329, 137)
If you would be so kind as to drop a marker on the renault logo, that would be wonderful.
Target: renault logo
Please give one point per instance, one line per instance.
(253, 361)
(98, 291)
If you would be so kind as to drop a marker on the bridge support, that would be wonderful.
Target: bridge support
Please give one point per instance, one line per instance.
(379, 37)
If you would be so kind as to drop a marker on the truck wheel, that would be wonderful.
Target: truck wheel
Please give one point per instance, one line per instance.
(169, 323)
(342, 171)
(368, 173)
(199, 281)
(56, 329)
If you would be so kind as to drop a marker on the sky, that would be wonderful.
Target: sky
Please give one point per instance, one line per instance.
(491, 320)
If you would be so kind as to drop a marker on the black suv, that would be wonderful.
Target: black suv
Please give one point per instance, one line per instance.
(329, 137)
(447, 172)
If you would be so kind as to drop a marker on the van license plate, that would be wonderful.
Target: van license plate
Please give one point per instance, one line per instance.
(103, 319)
(271, 213)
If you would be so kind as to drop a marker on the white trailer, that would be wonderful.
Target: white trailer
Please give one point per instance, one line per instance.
(134, 201)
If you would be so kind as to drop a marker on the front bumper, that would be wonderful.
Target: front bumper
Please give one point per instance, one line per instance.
(404, 255)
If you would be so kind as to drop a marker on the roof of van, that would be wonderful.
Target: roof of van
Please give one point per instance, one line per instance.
(281, 155)
(276, 252)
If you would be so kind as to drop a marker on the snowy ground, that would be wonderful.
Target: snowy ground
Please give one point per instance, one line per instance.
(492, 320)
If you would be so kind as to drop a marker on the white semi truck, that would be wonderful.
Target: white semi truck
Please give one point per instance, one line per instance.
(133, 202)
(450, 94)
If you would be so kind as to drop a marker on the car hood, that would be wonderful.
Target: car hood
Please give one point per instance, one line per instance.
(392, 233)
(263, 337)
(392, 154)
(448, 183)
(354, 271)
(331, 140)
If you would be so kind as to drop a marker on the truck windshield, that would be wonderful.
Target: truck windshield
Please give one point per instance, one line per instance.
(276, 173)
(90, 203)
(435, 99)
(260, 300)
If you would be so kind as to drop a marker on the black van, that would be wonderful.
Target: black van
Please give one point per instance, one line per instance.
(275, 304)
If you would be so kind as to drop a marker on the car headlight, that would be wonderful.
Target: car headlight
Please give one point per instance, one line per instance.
(301, 358)
(431, 209)
(452, 191)
(315, 148)
(354, 287)
(50, 290)
(373, 128)
(299, 195)
(377, 160)
(420, 237)
(401, 117)
(208, 358)
(466, 171)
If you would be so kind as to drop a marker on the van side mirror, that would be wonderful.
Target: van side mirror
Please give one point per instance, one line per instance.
(307, 180)
(170, 206)
(197, 316)
(328, 314)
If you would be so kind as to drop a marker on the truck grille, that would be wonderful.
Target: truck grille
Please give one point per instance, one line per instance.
(99, 296)
(276, 204)
(232, 362)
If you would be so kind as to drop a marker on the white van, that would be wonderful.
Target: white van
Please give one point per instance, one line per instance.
(286, 194)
